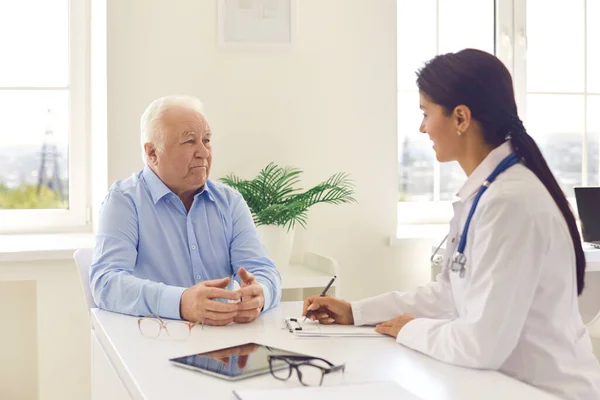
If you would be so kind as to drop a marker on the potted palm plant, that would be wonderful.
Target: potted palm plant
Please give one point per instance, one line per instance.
(277, 205)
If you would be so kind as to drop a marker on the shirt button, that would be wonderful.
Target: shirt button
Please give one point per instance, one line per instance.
(193, 247)
(167, 201)
(198, 277)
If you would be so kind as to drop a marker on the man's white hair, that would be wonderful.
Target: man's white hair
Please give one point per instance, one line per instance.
(152, 130)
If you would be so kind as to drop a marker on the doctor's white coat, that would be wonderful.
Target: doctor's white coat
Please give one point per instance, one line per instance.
(516, 309)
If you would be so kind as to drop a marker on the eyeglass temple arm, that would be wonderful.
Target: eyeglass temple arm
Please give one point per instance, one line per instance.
(303, 358)
(190, 324)
(162, 323)
(336, 368)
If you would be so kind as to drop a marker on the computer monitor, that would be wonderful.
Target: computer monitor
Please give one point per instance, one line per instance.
(588, 206)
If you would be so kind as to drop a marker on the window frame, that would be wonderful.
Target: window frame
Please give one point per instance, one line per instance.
(77, 217)
(511, 49)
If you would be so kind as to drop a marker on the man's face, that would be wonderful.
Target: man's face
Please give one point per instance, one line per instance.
(185, 160)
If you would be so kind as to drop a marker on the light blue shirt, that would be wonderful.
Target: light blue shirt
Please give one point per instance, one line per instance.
(149, 249)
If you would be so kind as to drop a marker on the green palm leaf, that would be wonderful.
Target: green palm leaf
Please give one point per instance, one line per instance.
(273, 198)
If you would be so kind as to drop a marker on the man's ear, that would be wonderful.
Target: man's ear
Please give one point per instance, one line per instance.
(462, 116)
(150, 150)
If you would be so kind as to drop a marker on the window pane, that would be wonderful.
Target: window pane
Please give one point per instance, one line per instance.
(34, 43)
(455, 34)
(415, 44)
(593, 46)
(593, 128)
(33, 149)
(559, 136)
(555, 48)
(415, 155)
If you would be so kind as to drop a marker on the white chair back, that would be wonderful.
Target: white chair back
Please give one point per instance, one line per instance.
(83, 260)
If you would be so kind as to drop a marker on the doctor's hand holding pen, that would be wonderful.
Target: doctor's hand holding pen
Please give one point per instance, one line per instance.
(328, 310)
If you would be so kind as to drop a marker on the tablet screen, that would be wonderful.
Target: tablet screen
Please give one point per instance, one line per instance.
(235, 362)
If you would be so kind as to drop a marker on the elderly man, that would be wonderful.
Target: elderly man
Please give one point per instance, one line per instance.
(170, 240)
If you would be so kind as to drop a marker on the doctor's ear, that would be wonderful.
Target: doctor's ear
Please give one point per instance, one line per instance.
(462, 117)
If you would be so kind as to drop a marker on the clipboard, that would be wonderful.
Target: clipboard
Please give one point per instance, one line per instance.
(311, 328)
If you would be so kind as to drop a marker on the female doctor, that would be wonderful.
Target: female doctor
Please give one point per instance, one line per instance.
(514, 265)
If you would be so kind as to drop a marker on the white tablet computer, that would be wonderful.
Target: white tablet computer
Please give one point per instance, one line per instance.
(235, 363)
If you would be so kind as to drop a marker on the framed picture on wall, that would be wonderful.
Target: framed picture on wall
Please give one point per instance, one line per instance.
(256, 23)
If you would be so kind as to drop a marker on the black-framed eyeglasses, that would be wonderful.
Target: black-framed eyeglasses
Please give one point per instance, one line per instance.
(310, 370)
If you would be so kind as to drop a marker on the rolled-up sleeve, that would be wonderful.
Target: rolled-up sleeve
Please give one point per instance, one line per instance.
(112, 282)
(246, 250)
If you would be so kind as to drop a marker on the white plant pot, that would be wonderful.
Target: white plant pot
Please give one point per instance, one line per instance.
(278, 242)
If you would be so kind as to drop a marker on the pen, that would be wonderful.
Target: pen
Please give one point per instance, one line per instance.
(321, 295)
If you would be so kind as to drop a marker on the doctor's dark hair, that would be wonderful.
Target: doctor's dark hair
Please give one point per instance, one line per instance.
(481, 82)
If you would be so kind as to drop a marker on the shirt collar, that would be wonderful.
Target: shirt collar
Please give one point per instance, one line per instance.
(158, 189)
(484, 170)
(205, 189)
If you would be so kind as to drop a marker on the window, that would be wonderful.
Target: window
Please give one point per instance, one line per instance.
(427, 28)
(43, 109)
(552, 49)
(563, 81)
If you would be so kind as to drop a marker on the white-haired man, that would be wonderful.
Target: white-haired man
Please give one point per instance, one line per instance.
(170, 240)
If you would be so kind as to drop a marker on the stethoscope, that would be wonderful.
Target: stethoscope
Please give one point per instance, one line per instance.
(460, 260)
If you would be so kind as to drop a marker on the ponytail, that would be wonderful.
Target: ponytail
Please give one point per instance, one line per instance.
(528, 151)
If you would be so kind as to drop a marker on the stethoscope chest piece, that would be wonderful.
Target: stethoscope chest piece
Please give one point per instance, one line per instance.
(458, 264)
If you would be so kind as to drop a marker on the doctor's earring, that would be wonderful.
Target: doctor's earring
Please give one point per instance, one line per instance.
(458, 133)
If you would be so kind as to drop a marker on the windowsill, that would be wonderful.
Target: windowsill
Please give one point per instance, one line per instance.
(43, 247)
(418, 231)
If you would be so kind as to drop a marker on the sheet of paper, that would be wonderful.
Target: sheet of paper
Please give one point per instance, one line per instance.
(310, 328)
(368, 390)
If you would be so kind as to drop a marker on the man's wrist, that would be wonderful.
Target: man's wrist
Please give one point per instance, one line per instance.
(181, 308)
(266, 298)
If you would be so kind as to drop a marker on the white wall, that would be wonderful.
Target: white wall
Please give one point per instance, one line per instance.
(44, 335)
(326, 105)
(18, 347)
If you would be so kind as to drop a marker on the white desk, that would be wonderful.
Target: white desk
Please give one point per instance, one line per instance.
(127, 365)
